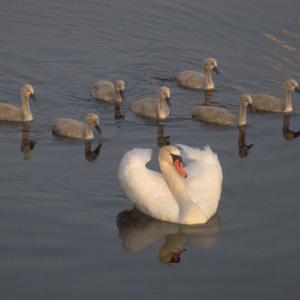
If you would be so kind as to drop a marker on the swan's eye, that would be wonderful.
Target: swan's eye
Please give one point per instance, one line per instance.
(176, 157)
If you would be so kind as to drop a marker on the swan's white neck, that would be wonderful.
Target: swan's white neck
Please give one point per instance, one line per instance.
(209, 84)
(88, 131)
(190, 213)
(288, 107)
(243, 115)
(27, 115)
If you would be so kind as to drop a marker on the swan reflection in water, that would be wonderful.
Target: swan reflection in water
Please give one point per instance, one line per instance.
(137, 231)
(286, 132)
(162, 140)
(244, 149)
(91, 155)
(27, 144)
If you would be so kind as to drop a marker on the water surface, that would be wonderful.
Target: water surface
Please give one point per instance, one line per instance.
(66, 229)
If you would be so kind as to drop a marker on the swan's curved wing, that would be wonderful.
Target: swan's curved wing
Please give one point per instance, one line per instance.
(205, 176)
(147, 189)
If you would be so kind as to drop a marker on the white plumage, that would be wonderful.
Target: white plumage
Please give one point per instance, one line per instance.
(168, 196)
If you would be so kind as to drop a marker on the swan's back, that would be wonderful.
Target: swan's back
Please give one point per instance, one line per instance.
(103, 90)
(146, 107)
(190, 79)
(205, 177)
(215, 115)
(68, 128)
(265, 102)
(10, 112)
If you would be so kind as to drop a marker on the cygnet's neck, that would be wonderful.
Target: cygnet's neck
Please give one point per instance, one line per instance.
(162, 108)
(208, 81)
(88, 131)
(118, 97)
(189, 212)
(243, 115)
(288, 107)
(27, 115)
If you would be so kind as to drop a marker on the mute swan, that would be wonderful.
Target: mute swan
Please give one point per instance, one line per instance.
(221, 116)
(108, 91)
(197, 80)
(13, 113)
(169, 196)
(77, 130)
(154, 108)
(268, 103)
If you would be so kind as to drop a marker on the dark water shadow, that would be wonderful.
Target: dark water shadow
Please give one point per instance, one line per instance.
(288, 134)
(137, 232)
(162, 140)
(90, 154)
(243, 147)
(27, 144)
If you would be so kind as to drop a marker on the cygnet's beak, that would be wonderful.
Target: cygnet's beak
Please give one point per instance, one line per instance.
(168, 101)
(297, 90)
(98, 128)
(216, 70)
(32, 96)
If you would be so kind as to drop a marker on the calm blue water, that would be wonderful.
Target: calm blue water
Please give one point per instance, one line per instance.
(64, 232)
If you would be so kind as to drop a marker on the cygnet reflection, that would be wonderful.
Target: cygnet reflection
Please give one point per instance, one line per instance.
(208, 96)
(90, 154)
(244, 149)
(162, 140)
(27, 144)
(118, 113)
(288, 134)
(138, 231)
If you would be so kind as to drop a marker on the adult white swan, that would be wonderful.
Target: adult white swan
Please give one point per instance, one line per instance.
(181, 195)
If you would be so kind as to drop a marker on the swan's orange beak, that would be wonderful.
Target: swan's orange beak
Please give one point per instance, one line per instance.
(179, 167)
